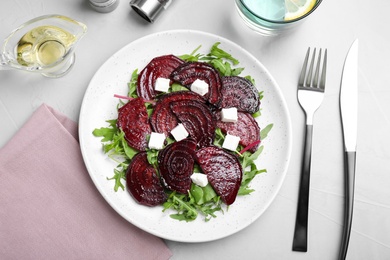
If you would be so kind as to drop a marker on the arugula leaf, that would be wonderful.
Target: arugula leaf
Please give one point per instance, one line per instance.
(209, 203)
(202, 195)
(152, 154)
(250, 170)
(264, 132)
(248, 77)
(177, 87)
(115, 145)
(225, 67)
(236, 71)
(201, 200)
(247, 158)
(219, 137)
(257, 114)
(247, 178)
(192, 56)
(113, 140)
(106, 132)
(132, 85)
(149, 108)
(218, 58)
(198, 194)
(129, 151)
(181, 203)
(261, 94)
(119, 175)
(219, 53)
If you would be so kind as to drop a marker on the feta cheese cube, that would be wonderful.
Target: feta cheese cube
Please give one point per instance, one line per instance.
(156, 141)
(229, 114)
(199, 179)
(200, 86)
(231, 142)
(179, 132)
(161, 84)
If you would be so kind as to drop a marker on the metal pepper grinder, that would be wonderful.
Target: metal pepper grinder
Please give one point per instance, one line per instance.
(149, 9)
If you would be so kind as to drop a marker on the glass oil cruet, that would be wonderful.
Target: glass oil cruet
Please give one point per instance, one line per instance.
(45, 44)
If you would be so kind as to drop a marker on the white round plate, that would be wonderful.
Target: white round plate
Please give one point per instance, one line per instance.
(99, 105)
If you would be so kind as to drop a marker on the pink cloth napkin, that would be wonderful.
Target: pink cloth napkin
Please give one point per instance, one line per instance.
(49, 206)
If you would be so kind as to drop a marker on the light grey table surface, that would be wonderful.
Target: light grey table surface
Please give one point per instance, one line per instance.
(333, 26)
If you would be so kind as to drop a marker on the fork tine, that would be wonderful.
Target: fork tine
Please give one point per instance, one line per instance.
(310, 73)
(323, 74)
(303, 72)
(316, 74)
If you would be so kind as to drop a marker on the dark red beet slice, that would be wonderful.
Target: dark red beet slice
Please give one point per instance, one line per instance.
(159, 67)
(246, 128)
(176, 164)
(188, 72)
(133, 120)
(143, 183)
(162, 119)
(223, 170)
(197, 119)
(239, 92)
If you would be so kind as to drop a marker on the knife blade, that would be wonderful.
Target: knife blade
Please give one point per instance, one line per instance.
(349, 116)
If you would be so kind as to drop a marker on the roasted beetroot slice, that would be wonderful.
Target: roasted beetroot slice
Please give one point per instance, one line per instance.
(176, 164)
(197, 119)
(159, 67)
(143, 183)
(133, 121)
(239, 92)
(223, 171)
(162, 119)
(246, 128)
(188, 72)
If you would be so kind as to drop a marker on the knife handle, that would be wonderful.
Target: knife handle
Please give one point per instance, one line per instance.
(350, 163)
(300, 233)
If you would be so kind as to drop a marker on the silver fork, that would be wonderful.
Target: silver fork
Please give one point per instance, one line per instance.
(310, 96)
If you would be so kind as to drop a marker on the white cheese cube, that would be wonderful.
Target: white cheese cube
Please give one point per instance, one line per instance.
(199, 179)
(179, 132)
(231, 142)
(161, 84)
(156, 141)
(229, 114)
(199, 86)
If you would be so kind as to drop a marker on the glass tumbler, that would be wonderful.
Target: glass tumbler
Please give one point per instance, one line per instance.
(269, 17)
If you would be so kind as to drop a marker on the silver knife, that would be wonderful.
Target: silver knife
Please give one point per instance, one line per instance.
(349, 115)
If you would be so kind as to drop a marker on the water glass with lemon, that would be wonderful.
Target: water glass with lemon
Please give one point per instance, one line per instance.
(272, 17)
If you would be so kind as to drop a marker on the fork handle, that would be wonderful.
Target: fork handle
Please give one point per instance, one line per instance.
(300, 233)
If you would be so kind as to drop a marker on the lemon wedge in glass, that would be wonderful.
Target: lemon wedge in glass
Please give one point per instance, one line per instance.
(297, 8)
